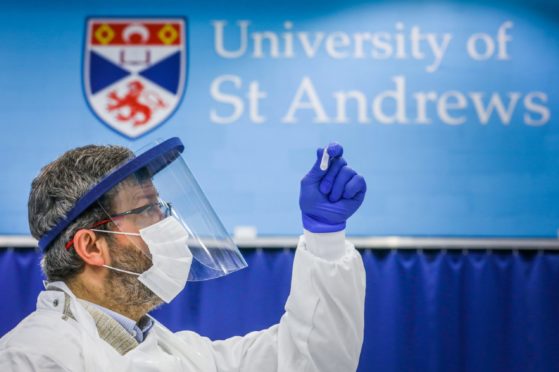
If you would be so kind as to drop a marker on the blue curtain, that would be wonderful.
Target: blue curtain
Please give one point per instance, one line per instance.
(475, 310)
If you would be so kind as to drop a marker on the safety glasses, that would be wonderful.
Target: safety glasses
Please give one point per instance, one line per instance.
(146, 214)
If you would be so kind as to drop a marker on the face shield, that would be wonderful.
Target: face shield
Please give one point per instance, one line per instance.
(161, 204)
(154, 205)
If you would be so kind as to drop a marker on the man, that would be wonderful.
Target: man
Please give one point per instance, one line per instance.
(123, 232)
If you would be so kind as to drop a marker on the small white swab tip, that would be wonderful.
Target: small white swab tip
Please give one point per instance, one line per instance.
(325, 159)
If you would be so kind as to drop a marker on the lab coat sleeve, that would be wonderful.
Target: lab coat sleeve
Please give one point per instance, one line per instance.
(322, 327)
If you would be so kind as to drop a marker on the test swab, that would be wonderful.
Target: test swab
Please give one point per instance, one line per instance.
(325, 159)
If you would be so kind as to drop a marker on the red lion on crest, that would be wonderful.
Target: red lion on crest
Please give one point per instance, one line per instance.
(130, 108)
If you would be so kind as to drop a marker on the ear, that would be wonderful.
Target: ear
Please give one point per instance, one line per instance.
(90, 248)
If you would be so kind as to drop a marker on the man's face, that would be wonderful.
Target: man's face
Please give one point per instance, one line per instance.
(131, 252)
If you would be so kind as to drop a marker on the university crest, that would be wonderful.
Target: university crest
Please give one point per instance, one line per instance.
(134, 71)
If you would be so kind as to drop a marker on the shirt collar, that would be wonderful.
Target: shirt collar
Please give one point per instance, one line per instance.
(138, 330)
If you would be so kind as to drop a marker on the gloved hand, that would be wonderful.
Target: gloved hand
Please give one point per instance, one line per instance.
(328, 198)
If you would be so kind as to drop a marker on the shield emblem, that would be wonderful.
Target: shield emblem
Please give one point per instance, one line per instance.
(134, 71)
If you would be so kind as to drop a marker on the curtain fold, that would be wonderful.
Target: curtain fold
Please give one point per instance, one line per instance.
(426, 310)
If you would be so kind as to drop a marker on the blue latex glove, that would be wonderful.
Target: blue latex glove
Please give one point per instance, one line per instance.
(328, 198)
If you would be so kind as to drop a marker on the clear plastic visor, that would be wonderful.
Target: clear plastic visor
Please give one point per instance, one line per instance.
(151, 195)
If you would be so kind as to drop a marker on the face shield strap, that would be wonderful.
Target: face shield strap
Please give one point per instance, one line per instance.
(154, 160)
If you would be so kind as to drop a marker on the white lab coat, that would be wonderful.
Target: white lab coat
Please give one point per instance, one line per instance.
(321, 330)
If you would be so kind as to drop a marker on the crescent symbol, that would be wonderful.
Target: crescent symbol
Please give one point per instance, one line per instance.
(135, 29)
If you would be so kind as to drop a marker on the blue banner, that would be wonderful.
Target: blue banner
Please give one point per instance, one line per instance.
(446, 107)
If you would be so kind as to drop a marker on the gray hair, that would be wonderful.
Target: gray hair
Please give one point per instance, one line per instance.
(55, 191)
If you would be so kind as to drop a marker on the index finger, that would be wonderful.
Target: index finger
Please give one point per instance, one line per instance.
(335, 150)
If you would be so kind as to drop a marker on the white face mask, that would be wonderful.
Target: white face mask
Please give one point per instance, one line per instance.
(170, 255)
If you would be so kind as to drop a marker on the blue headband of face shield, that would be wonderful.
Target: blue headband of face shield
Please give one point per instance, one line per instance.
(155, 159)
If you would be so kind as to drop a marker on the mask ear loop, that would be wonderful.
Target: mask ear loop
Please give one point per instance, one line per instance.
(121, 270)
(122, 233)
